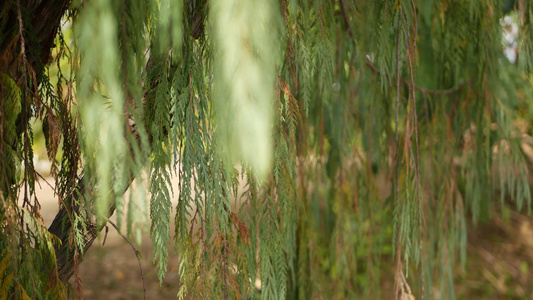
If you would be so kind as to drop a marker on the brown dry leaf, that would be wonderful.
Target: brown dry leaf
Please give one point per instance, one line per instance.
(241, 227)
(52, 133)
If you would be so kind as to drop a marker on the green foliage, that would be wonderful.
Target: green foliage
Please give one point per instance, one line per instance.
(101, 111)
(243, 78)
(12, 103)
(321, 147)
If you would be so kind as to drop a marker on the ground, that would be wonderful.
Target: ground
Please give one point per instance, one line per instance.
(499, 264)
(111, 271)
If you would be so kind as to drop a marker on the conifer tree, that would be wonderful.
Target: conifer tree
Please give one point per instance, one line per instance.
(365, 134)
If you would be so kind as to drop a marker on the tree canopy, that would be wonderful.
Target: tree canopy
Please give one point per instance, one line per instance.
(322, 147)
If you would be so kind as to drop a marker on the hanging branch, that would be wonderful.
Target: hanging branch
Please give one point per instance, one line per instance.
(65, 260)
(410, 55)
(25, 149)
(397, 158)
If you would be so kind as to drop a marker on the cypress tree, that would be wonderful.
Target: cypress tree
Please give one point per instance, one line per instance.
(322, 147)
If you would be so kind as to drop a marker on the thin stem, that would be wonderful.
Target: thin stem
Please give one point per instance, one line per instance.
(424, 91)
(136, 254)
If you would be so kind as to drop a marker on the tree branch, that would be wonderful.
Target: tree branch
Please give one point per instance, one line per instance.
(42, 20)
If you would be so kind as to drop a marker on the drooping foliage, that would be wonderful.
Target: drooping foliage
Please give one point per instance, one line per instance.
(323, 148)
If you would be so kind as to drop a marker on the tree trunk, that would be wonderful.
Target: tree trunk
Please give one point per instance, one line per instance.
(29, 28)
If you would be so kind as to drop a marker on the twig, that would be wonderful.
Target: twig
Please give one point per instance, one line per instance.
(136, 254)
(346, 19)
(406, 285)
(46, 181)
(192, 221)
(105, 235)
(421, 89)
(57, 194)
